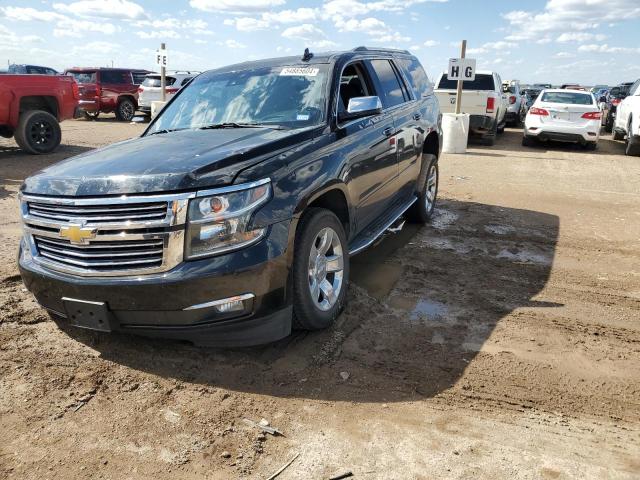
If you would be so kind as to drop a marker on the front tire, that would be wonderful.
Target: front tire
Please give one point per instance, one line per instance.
(422, 210)
(320, 270)
(617, 134)
(38, 132)
(91, 115)
(126, 110)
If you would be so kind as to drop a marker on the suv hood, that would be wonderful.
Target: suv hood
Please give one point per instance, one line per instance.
(182, 160)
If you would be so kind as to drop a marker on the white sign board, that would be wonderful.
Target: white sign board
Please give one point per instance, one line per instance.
(461, 69)
(161, 58)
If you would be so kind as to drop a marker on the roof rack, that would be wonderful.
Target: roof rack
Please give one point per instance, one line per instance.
(390, 50)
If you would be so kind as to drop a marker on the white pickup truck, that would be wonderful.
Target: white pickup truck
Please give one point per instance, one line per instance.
(627, 122)
(482, 99)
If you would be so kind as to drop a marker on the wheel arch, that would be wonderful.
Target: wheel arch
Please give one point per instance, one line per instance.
(45, 103)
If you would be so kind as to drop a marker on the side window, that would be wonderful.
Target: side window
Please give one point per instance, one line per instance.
(353, 83)
(114, 77)
(416, 76)
(634, 90)
(392, 93)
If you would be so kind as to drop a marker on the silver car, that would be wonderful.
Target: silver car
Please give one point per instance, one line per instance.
(151, 90)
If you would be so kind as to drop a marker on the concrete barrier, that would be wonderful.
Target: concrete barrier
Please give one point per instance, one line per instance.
(156, 107)
(455, 132)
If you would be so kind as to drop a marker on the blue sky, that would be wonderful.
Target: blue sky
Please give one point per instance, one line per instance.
(585, 41)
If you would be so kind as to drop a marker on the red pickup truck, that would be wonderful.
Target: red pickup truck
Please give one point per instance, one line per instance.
(31, 107)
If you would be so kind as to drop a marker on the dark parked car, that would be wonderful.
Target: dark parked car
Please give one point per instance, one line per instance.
(233, 217)
(30, 70)
(108, 90)
(616, 95)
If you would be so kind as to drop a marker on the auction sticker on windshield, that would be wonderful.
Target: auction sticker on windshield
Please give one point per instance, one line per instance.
(299, 72)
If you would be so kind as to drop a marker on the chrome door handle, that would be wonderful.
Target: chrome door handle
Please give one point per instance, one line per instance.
(387, 132)
(417, 116)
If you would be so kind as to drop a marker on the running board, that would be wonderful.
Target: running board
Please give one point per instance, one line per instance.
(373, 232)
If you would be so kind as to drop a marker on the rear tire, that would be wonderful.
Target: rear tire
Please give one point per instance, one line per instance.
(528, 142)
(489, 139)
(591, 146)
(422, 210)
(321, 265)
(632, 147)
(126, 110)
(38, 132)
(617, 134)
(608, 126)
(91, 115)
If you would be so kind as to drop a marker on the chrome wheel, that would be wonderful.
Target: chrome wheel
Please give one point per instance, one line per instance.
(432, 187)
(326, 266)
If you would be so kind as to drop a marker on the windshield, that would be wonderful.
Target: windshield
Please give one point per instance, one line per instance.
(482, 82)
(288, 96)
(569, 98)
(83, 77)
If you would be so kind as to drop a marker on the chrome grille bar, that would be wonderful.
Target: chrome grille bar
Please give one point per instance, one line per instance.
(131, 235)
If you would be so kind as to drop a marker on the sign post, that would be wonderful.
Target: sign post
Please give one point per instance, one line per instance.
(461, 69)
(161, 61)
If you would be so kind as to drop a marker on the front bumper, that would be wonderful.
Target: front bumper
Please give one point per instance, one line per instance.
(158, 304)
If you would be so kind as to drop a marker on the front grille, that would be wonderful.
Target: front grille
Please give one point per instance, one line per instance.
(100, 256)
(114, 236)
(93, 214)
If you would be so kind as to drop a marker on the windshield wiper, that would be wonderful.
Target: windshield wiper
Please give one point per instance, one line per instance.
(215, 126)
(166, 130)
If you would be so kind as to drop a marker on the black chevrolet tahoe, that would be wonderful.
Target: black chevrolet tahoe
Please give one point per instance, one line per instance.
(232, 218)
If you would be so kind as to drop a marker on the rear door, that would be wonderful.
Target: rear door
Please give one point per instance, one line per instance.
(115, 83)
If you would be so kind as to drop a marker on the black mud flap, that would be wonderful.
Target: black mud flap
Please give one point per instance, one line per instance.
(89, 315)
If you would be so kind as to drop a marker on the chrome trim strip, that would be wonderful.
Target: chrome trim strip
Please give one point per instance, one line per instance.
(122, 199)
(243, 297)
(81, 301)
(232, 188)
(384, 229)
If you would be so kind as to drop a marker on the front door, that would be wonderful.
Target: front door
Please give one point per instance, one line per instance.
(370, 148)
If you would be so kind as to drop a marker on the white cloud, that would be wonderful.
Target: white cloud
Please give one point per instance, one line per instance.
(568, 15)
(310, 34)
(301, 15)
(8, 39)
(231, 43)
(593, 48)
(431, 43)
(355, 8)
(369, 25)
(564, 55)
(247, 24)
(236, 6)
(30, 14)
(91, 47)
(161, 34)
(579, 37)
(499, 45)
(122, 9)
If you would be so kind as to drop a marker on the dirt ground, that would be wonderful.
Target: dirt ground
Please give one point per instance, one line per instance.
(502, 341)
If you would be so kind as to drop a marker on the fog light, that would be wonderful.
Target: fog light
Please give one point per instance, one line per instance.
(233, 306)
(238, 303)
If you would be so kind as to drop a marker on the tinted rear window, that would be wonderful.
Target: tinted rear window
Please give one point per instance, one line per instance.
(138, 77)
(416, 76)
(392, 93)
(115, 77)
(570, 98)
(83, 77)
(155, 81)
(482, 82)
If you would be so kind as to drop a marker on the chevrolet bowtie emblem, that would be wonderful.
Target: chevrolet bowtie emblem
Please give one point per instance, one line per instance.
(78, 234)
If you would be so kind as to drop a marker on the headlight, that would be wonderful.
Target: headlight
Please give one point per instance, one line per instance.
(220, 223)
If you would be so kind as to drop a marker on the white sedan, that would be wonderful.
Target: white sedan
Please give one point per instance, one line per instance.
(563, 116)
